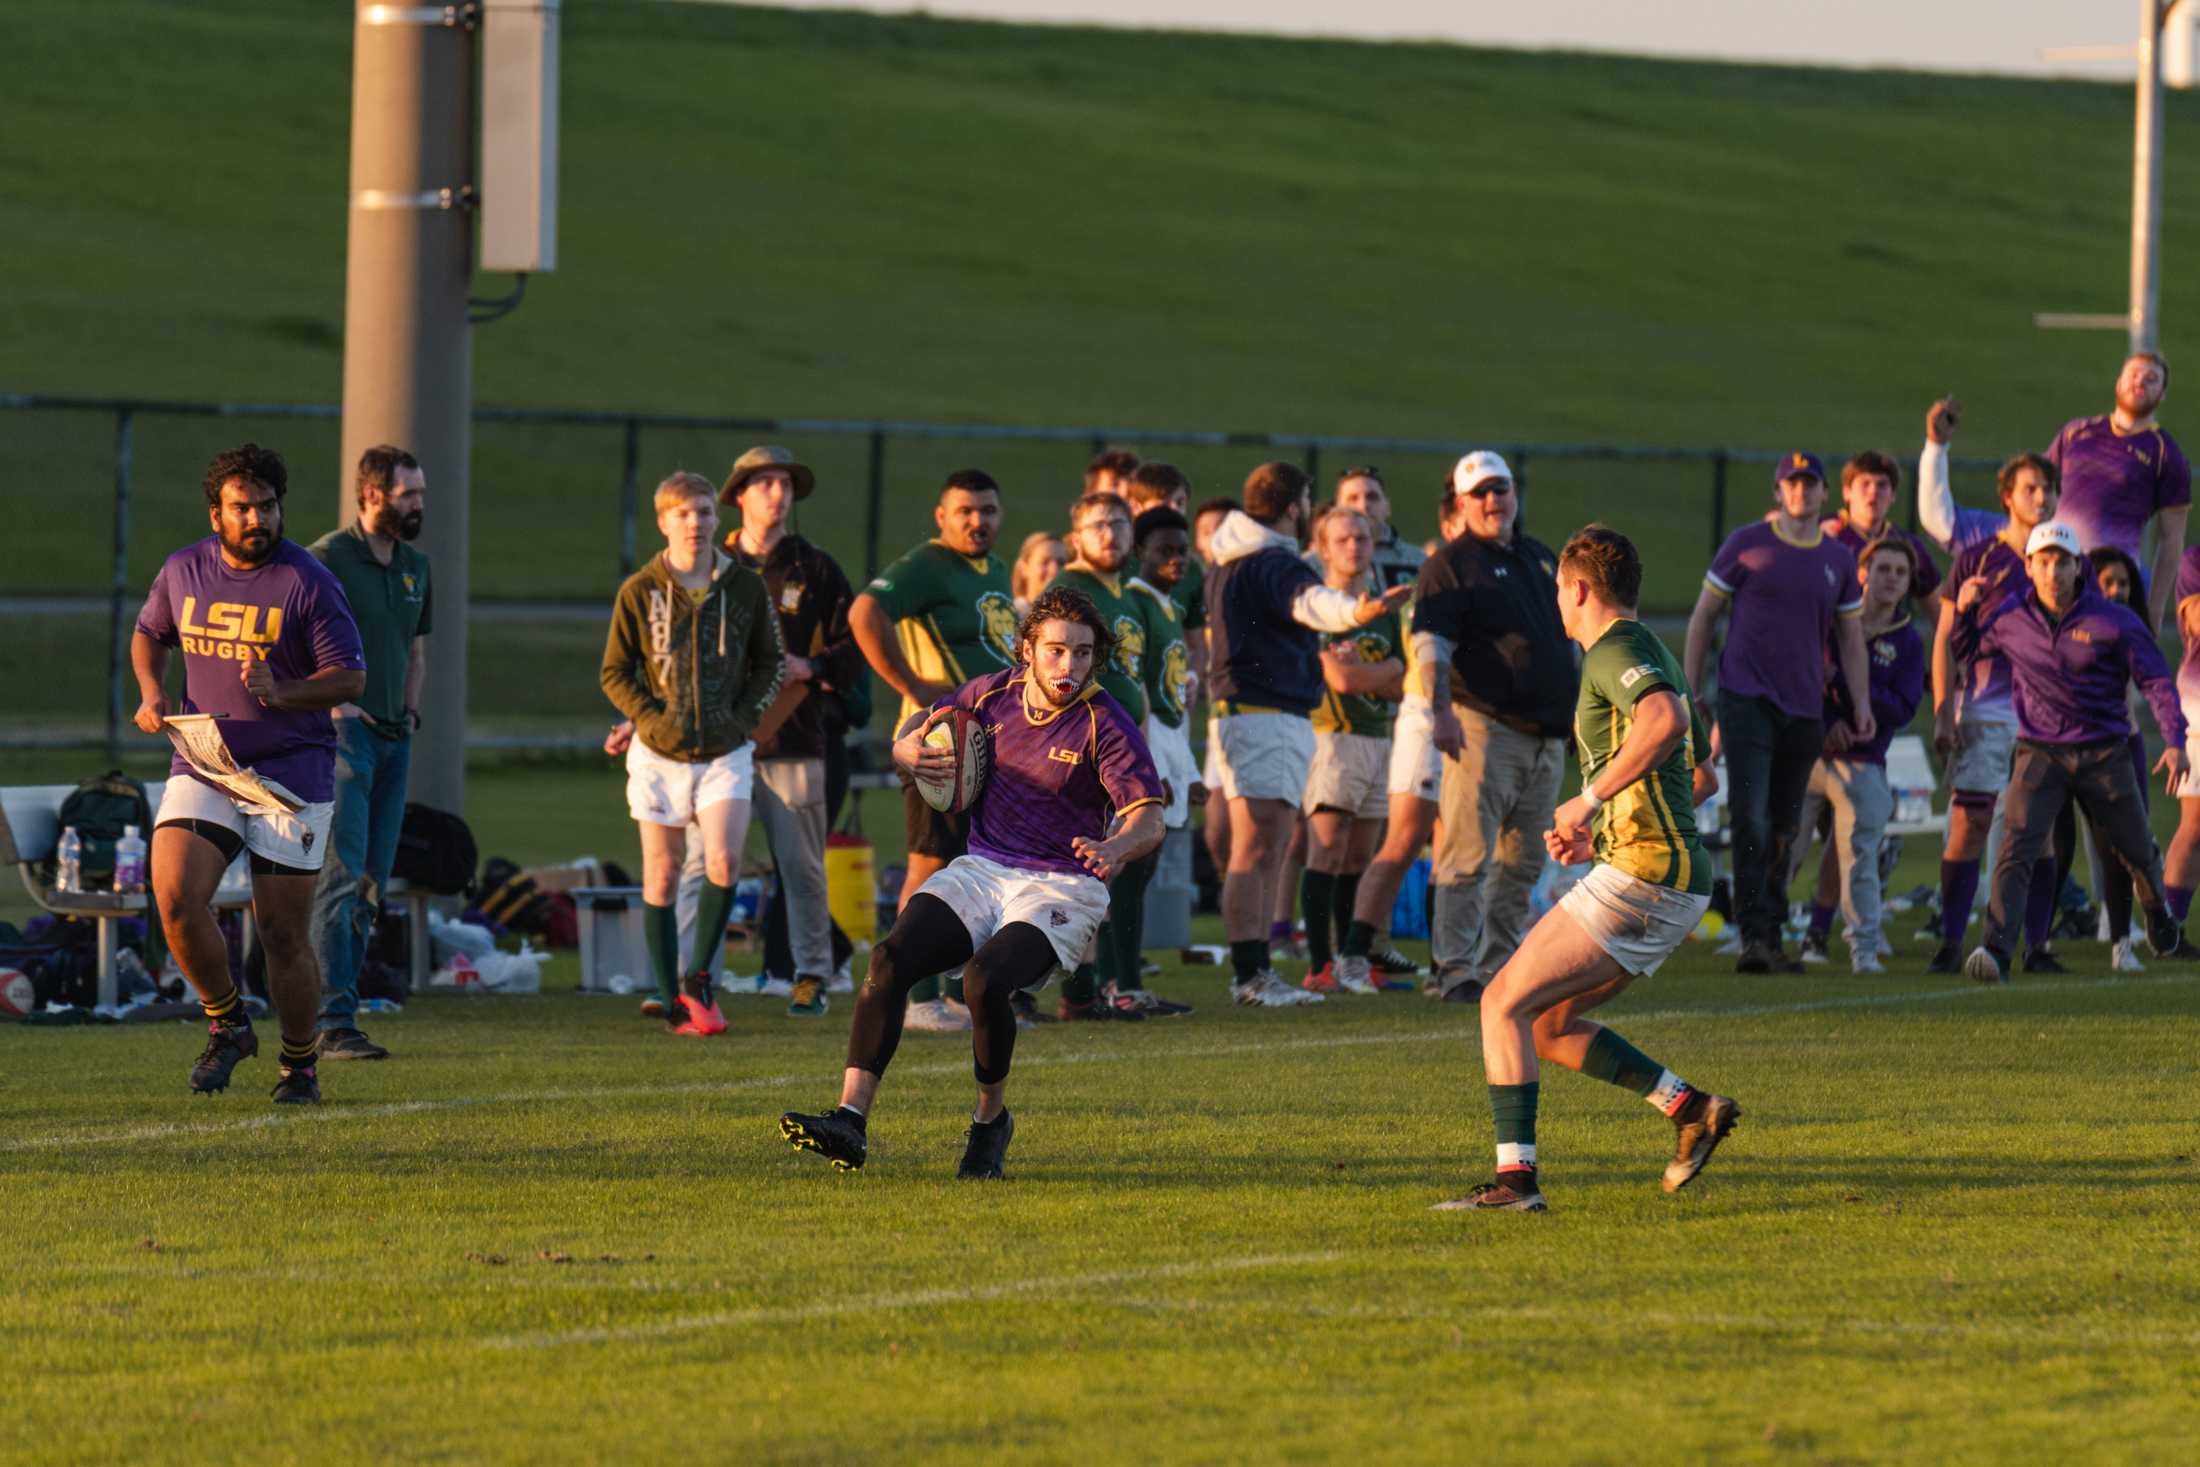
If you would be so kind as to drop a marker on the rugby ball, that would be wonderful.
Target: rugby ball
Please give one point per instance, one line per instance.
(963, 735)
(17, 996)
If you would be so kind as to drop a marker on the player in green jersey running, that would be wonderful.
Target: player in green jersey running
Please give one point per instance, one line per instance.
(1640, 740)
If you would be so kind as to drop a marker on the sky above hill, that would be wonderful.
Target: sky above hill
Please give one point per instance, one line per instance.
(1953, 35)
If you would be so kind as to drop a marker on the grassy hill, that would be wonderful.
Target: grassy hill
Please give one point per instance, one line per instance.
(779, 213)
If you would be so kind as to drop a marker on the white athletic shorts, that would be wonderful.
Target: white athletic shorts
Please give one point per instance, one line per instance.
(1638, 922)
(1415, 766)
(1986, 752)
(661, 791)
(299, 840)
(1264, 756)
(987, 895)
(1349, 773)
(1172, 756)
(1210, 769)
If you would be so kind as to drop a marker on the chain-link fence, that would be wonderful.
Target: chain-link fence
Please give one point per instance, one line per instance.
(559, 512)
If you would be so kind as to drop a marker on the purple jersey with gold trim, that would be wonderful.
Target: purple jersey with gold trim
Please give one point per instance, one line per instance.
(291, 614)
(2113, 483)
(1057, 773)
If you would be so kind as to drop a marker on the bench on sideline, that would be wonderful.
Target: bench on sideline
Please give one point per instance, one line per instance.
(30, 830)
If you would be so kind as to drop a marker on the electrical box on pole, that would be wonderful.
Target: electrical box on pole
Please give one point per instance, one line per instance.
(519, 135)
(2179, 23)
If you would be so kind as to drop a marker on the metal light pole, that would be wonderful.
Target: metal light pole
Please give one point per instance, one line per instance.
(408, 351)
(2146, 176)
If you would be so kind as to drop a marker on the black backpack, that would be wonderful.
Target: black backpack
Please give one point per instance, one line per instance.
(436, 852)
(99, 809)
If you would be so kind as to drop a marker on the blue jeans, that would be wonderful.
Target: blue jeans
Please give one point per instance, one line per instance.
(362, 841)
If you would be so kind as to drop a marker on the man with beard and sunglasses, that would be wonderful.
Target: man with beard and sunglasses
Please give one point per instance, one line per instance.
(1073, 799)
(385, 579)
(269, 647)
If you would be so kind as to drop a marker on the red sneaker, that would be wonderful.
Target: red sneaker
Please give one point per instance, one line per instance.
(701, 1009)
(1322, 979)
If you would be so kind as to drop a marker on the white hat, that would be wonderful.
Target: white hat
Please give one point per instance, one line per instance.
(2052, 535)
(1478, 467)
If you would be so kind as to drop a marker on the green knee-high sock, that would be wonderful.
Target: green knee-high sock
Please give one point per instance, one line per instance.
(1616, 1062)
(1513, 1108)
(661, 930)
(711, 912)
(1318, 905)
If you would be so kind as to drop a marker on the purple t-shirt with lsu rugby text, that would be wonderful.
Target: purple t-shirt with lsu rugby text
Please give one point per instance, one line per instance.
(1786, 595)
(289, 612)
(1057, 774)
(2113, 483)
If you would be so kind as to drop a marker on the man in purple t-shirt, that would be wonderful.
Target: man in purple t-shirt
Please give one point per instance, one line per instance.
(269, 647)
(1068, 765)
(1792, 590)
(2120, 470)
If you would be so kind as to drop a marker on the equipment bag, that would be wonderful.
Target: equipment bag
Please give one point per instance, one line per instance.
(99, 809)
(436, 851)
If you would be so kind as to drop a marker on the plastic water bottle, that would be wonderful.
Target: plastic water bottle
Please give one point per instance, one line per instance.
(71, 858)
(130, 861)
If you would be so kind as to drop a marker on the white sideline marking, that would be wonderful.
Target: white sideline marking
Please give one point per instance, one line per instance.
(883, 1303)
(184, 1129)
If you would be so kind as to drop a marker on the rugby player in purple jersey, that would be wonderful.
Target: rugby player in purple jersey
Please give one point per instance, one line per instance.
(1072, 799)
(269, 647)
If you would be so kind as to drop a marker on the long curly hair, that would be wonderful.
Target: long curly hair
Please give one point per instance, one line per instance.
(1067, 603)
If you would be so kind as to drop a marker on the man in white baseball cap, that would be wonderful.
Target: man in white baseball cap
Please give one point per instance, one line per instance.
(2072, 654)
(1501, 682)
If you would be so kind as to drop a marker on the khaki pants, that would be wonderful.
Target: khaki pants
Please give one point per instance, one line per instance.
(1495, 804)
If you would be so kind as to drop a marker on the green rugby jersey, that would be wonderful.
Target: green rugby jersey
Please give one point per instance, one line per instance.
(1168, 660)
(1647, 830)
(1379, 641)
(1130, 616)
(955, 616)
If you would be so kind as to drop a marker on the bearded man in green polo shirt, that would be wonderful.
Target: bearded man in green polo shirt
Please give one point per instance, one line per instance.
(386, 580)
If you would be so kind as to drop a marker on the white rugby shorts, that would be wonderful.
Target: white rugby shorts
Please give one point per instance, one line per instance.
(1263, 756)
(661, 791)
(1986, 752)
(1172, 756)
(1067, 907)
(1638, 922)
(1349, 773)
(1415, 767)
(299, 840)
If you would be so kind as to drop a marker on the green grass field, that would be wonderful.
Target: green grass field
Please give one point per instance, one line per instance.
(835, 215)
(1954, 1226)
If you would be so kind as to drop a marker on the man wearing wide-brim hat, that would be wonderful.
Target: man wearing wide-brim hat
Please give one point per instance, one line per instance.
(826, 691)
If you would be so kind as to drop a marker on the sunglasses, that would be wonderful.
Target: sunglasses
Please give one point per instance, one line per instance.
(1490, 487)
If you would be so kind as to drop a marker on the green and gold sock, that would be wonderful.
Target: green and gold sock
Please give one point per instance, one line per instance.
(661, 930)
(298, 1056)
(228, 1009)
(711, 913)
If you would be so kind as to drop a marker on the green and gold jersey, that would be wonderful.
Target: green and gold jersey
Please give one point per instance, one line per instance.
(1379, 641)
(1647, 830)
(955, 616)
(1130, 616)
(1168, 660)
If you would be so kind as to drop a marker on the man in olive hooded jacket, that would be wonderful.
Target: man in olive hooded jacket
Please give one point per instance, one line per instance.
(693, 658)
